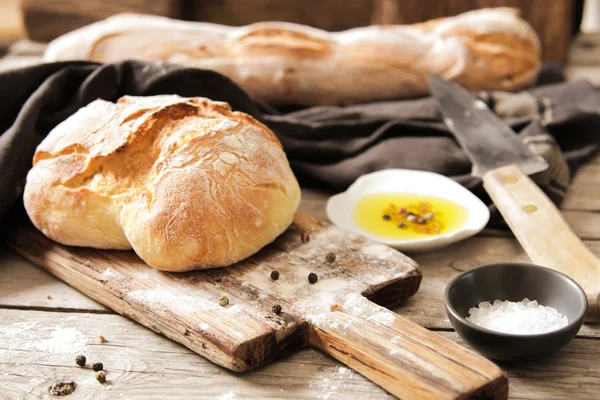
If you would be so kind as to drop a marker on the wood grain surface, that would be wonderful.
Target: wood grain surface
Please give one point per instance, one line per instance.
(45, 20)
(402, 357)
(331, 15)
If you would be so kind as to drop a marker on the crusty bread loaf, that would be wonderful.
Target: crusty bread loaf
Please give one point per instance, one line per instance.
(185, 182)
(284, 63)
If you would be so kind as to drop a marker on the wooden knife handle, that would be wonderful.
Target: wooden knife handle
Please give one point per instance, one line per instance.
(404, 358)
(543, 232)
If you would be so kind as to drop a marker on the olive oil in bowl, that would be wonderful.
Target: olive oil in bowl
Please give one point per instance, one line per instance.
(403, 216)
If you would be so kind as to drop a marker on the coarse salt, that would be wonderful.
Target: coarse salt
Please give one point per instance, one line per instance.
(525, 317)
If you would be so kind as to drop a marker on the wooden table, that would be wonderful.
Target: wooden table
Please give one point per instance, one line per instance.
(44, 323)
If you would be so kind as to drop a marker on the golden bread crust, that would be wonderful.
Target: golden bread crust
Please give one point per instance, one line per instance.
(185, 182)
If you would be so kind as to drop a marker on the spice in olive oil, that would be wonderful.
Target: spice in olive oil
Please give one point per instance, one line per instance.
(408, 216)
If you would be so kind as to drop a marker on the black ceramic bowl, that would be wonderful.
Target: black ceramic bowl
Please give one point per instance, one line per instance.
(514, 282)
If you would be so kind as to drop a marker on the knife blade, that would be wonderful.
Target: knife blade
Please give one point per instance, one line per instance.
(486, 139)
(503, 162)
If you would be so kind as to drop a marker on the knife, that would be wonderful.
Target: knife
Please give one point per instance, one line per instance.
(504, 162)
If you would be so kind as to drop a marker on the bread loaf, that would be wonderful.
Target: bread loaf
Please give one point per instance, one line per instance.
(185, 182)
(285, 63)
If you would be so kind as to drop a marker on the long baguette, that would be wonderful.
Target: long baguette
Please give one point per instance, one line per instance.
(285, 63)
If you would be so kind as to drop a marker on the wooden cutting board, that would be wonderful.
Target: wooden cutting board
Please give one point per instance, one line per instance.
(338, 314)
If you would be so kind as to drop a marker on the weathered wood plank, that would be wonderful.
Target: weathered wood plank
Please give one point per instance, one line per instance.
(584, 192)
(572, 373)
(585, 50)
(425, 308)
(332, 15)
(46, 20)
(39, 350)
(24, 285)
(184, 308)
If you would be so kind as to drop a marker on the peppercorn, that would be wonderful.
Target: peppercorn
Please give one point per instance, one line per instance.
(277, 309)
(80, 360)
(97, 366)
(402, 226)
(403, 210)
(223, 301)
(386, 217)
(305, 237)
(274, 275)
(330, 257)
(312, 277)
(101, 376)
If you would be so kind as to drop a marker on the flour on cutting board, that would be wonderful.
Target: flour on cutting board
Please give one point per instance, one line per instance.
(179, 301)
(379, 251)
(357, 265)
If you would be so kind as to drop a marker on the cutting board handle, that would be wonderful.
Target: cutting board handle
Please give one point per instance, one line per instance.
(542, 231)
(399, 355)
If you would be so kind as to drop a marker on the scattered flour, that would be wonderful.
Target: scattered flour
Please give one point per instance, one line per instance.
(525, 317)
(182, 302)
(62, 340)
(383, 317)
(379, 251)
(227, 396)
(17, 328)
(331, 382)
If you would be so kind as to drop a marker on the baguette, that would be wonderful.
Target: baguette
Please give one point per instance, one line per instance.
(286, 63)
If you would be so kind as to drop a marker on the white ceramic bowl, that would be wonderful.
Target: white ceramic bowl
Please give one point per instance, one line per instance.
(341, 206)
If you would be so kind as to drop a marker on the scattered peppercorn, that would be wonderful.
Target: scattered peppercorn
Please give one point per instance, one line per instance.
(49, 297)
(312, 277)
(274, 275)
(223, 301)
(80, 360)
(62, 388)
(101, 376)
(101, 339)
(97, 366)
(403, 210)
(277, 309)
(402, 226)
(330, 257)
(305, 237)
(386, 217)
